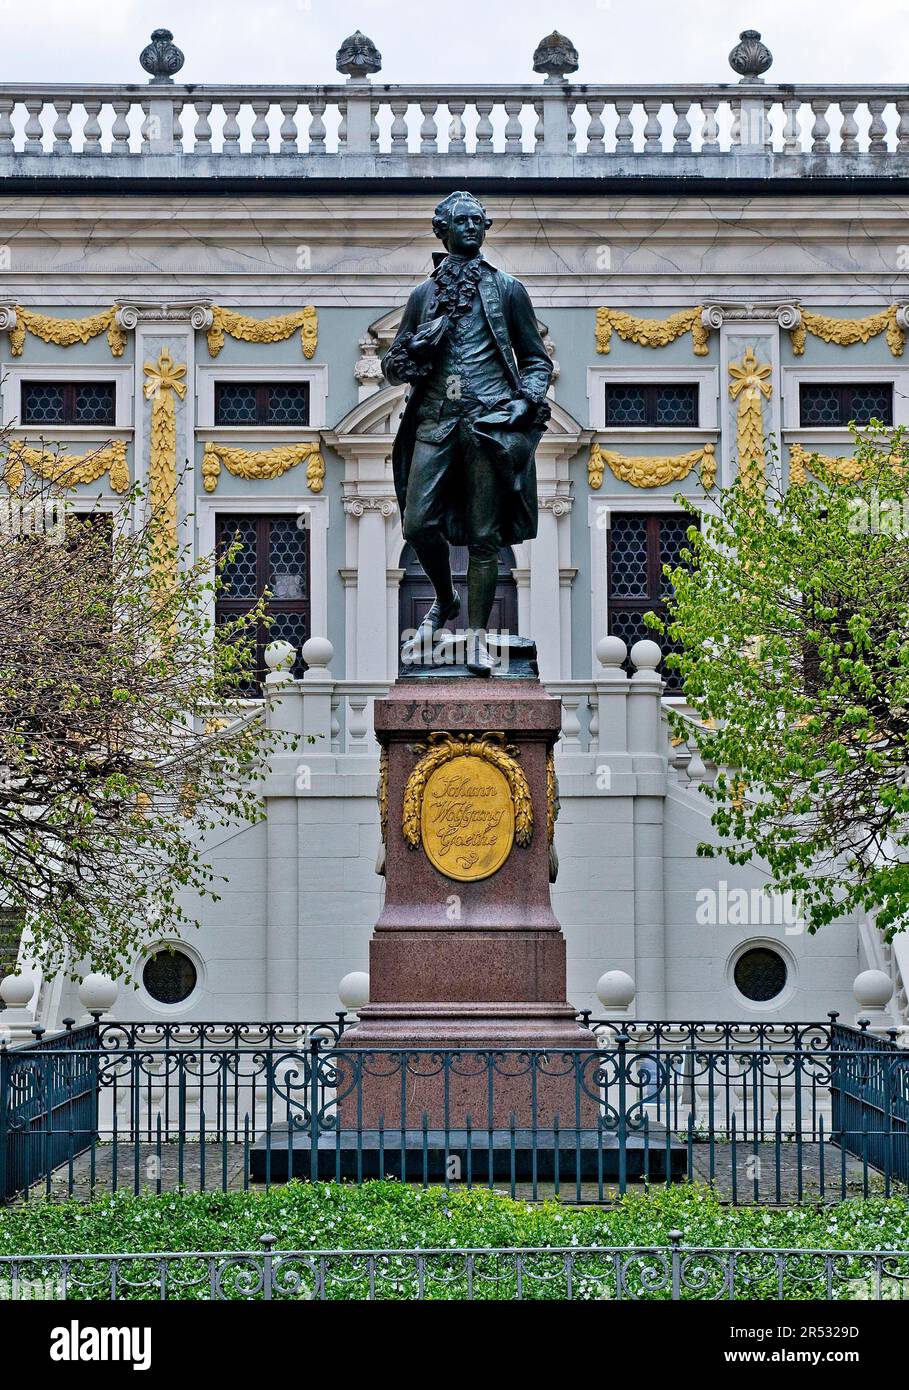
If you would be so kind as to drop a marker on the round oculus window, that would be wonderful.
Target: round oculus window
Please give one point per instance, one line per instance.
(169, 976)
(760, 974)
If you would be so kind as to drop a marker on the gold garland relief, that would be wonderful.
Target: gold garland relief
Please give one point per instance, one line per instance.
(466, 801)
(70, 470)
(652, 333)
(66, 332)
(164, 383)
(382, 793)
(552, 796)
(642, 470)
(750, 386)
(273, 330)
(256, 464)
(846, 332)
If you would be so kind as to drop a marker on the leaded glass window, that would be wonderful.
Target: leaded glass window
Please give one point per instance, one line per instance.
(271, 561)
(639, 546)
(760, 974)
(262, 403)
(658, 405)
(837, 404)
(68, 403)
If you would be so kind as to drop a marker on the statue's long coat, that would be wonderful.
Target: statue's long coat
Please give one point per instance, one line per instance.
(510, 315)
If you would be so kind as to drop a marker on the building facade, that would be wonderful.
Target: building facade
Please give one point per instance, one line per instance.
(704, 261)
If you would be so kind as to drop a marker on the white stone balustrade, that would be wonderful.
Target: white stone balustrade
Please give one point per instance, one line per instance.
(363, 129)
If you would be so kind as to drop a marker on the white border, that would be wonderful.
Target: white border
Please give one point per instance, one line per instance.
(707, 381)
(769, 943)
(792, 377)
(11, 395)
(193, 998)
(317, 504)
(316, 373)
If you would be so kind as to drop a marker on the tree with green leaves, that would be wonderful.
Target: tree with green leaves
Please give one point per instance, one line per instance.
(790, 628)
(122, 741)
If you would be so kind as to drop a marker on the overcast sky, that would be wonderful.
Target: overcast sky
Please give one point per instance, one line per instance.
(459, 41)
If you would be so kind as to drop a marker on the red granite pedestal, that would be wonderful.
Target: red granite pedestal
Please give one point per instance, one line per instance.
(477, 965)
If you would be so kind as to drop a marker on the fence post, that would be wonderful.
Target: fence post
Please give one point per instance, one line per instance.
(313, 1110)
(268, 1243)
(5, 1066)
(675, 1241)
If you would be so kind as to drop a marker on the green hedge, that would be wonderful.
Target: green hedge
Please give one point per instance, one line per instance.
(388, 1215)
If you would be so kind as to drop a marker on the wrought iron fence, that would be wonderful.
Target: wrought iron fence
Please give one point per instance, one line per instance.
(576, 1273)
(765, 1112)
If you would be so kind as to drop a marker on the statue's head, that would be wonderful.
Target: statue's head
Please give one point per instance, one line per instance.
(460, 223)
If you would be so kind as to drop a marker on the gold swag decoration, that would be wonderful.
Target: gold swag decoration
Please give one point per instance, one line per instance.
(845, 332)
(256, 464)
(65, 332)
(273, 330)
(825, 467)
(653, 333)
(70, 470)
(642, 470)
(164, 382)
(491, 747)
(749, 386)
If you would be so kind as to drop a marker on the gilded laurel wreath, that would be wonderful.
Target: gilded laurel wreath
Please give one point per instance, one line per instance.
(491, 747)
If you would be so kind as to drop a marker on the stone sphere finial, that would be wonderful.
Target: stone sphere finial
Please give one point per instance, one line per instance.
(555, 56)
(873, 989)
(616, 989)
(611, 652)
(162, 58)
(358, 57)
(750, 57)
(353, 990)
(646, 655)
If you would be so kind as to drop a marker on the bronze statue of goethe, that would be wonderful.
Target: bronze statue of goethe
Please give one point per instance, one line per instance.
(463, 458)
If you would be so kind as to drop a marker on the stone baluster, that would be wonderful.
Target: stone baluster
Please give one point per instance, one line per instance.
(6, 126)
(230, 134)
(681, 133)
(484, 126)
(316, 132)
(624, 130)
(120, 128)
(820, 144)
(877, 130)
(849, 127)
(34, 131)
(792, 131)
(596, 130)
(202, 133)
(902, 129)
(429, 132)
(342, 126)
(710, 129)
(513, 128)
(572, 132)
(457, 131)
(62, 128)
(288, 130)
(571, 722)
(358, 722)
(735, 129)
(539, 129)
(653, 130)
(399, 126)
(260, 131)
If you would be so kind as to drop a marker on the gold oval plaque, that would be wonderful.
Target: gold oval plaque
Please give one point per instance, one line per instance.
(467, 818)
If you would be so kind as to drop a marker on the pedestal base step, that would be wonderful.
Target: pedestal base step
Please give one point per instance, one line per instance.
(583, 1154)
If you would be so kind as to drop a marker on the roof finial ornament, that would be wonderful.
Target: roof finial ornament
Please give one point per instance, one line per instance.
(358, 57)
(162, 58)
(750, 57)
(555, 56)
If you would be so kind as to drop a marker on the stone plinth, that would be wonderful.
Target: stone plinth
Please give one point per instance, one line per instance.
(477, 964)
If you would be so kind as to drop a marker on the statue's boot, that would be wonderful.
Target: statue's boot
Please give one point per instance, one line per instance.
(480, 660)
(420, 645)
